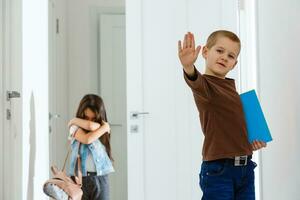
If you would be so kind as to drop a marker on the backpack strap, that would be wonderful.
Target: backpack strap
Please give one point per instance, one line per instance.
(79, 170)
(78, 178)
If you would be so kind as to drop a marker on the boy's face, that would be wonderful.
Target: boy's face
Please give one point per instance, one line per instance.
(221, 57)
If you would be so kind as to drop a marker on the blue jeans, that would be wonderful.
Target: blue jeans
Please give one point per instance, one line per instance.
(221, 180)
(95, 187)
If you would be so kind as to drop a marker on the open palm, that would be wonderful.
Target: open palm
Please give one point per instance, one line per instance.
(188, 53)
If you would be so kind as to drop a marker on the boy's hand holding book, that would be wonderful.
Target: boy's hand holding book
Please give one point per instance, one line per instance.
(256, 145)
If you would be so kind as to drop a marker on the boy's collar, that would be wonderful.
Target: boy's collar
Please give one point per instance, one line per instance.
(226, 78)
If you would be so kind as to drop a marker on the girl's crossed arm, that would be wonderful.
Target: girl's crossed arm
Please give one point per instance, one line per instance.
(85, 124)
(95, 130)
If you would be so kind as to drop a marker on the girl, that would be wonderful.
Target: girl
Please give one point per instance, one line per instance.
(91, 130)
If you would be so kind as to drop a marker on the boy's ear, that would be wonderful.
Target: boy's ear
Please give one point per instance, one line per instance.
(204, 52)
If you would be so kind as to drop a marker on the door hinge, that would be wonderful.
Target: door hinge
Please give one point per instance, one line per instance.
(57, 26)
(8, 114)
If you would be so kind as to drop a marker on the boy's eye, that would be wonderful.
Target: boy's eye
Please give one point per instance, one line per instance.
(231, 56)
(219, 50)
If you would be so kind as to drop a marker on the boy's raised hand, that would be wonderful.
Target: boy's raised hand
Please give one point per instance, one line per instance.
(187, 53)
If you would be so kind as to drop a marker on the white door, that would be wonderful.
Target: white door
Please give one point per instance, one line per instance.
(112, 73)
(52, 85)
(58, 105)
(11, 112)
(172, 137)
(135, 97)
(54, 114)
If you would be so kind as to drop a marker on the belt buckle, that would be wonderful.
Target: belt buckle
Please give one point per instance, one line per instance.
(90, 173)
(240, 160)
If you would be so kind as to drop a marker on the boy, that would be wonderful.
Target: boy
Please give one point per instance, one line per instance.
(227, 171)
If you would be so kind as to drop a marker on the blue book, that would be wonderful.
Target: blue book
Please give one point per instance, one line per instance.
(257, 126)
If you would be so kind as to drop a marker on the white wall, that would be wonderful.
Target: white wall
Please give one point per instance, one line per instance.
(35, 151)
(278, 72)
(82, 55)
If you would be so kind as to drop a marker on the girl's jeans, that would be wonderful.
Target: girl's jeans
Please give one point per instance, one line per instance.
(221, 180)
(95, 187)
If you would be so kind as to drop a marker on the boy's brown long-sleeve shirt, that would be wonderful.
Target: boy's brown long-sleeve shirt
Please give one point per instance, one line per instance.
(221, 116)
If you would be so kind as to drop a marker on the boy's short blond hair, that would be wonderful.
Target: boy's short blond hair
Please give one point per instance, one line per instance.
(212, 39)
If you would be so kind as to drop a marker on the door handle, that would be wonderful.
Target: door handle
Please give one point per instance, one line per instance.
(12, 94)
(53, 116)
(135, 115)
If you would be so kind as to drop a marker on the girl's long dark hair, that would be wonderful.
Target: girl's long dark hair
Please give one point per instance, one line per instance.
(96, 104)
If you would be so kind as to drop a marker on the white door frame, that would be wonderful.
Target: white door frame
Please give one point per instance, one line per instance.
(248, 71)
(2, 102)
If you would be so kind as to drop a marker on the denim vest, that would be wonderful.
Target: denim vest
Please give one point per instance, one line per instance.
(102, 162)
